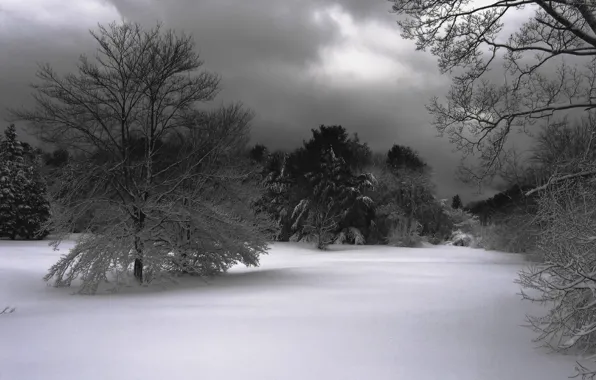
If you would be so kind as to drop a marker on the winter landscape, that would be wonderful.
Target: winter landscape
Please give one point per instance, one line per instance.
(349, 313)
(298, 190)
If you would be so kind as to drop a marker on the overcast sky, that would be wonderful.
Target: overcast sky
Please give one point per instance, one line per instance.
(297, 63)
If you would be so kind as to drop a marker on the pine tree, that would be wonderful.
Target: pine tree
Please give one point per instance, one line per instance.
(276, 199)
(335, 192)
(23, 204)
(456, 202)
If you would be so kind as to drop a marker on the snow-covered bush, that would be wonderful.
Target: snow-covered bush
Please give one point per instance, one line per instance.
(405, 233)
(566, 279)
(466, 227)
(462, 239)
(350, 235)
(517, 234)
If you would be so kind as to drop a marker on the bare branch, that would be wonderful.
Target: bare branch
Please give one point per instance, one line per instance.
(478, 117)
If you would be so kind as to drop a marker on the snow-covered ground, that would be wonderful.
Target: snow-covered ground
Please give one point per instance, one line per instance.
(372, 313)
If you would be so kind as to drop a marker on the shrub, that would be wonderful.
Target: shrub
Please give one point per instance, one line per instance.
(405, 233)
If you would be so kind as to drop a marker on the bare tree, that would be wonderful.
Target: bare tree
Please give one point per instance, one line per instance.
(566, 280)
(565, 151)
(159, 175)
(549, 61)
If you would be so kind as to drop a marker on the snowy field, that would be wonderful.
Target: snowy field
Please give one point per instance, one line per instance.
(373, 313)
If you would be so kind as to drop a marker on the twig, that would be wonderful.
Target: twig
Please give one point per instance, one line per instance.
(8, 310)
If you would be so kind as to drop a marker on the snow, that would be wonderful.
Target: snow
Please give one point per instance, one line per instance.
(352, 313)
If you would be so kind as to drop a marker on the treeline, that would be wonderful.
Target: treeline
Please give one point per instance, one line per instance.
(512, 220)
(334, 189)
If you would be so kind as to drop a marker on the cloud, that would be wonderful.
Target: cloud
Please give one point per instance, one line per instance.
(364, 52)
(25, 19)
(297, 63)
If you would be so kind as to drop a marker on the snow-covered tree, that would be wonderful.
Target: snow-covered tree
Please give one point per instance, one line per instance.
(287, 183)
(278, 198)
(24, 208)
(166, 180)
(335, 191)
(565, 279)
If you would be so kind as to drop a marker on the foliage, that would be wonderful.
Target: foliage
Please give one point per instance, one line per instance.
(406, 205)
(258, 153)
(461, 219)
(403, 157)
(350, 235)
(516, 233)
(279, 196)
(465, 226)
(403, 200)
(511, 201)
(165, 181)
(289, 181)
(335, 192)
(24, 208)
(405, 232)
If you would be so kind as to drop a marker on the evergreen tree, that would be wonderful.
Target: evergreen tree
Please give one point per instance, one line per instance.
(405, 201)
(404, 157)
(258, 153)
(276, 200)
(23, 204)
(335, 192)
(287, 182)
(456, 202)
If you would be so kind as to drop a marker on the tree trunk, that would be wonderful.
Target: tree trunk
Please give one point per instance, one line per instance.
(285, 233)
(138, 265)
(138, 270)
(320, 244)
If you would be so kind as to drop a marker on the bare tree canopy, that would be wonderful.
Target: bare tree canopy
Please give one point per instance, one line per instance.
(140, 84)
(549, 61)
(161, 178)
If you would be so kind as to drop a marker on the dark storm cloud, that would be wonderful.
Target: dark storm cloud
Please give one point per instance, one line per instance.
(267, 52)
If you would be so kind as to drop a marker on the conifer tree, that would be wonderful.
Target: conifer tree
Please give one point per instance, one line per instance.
(335, 191)
(23, 204)
(456, 202)
(276, 200)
